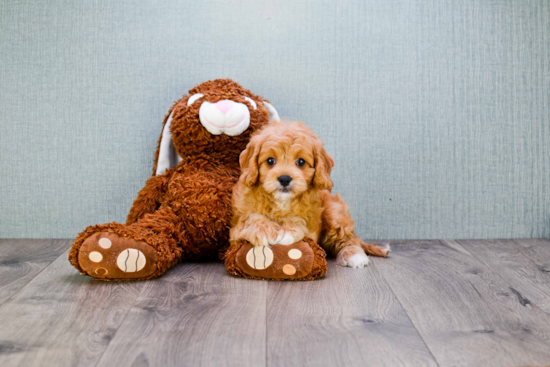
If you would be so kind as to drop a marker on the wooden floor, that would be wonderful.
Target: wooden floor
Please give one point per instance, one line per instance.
(446, 303)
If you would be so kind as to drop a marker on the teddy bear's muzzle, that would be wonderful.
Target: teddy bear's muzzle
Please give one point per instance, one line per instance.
(224, 117)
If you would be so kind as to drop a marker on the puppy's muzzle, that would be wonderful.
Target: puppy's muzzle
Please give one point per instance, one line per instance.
(285, 180)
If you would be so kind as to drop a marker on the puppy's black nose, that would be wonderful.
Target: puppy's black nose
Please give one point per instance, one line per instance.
(285, 180)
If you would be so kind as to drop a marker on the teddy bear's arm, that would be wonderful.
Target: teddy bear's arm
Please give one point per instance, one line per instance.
(149, 198)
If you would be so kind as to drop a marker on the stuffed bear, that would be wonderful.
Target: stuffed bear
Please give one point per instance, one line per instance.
(184, 210)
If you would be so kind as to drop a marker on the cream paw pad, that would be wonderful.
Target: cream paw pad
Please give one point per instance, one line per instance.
(108, 256)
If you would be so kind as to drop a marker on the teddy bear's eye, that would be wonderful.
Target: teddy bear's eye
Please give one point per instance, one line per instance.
(251, 101)
(193, 98)
(300, 162)
(270, 161)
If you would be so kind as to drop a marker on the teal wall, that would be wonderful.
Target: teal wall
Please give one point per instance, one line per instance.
(436, 112)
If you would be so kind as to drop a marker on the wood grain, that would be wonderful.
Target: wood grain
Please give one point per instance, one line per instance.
(349, 318)
(62, 318)
(536, 249)
(459, 303)
(195, 315)
(523, 264)
(22, 260)
(466, 314)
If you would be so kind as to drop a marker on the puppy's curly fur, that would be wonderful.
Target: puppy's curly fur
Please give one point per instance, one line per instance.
(283, 195)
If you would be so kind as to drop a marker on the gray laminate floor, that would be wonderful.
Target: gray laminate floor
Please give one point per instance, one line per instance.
(446, 303)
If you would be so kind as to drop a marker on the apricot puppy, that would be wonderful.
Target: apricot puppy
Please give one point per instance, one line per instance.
(283, 195)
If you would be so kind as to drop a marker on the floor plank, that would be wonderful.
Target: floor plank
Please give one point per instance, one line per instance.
(536, 249)
(195, 315)
(464, 311)
(349, 318)
(22, 260)
(62, 318)
(471, 303)
(523, 264)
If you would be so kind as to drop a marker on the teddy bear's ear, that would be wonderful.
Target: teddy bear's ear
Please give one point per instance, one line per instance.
(167, 157)
(273, 115)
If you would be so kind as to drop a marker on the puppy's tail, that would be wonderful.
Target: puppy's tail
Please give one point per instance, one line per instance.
(373, 250)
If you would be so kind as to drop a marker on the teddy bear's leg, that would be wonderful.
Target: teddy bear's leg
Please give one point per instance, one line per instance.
(113, 251)
(149, 198)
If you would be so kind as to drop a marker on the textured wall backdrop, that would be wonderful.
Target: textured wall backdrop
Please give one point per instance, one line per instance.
(436, 112)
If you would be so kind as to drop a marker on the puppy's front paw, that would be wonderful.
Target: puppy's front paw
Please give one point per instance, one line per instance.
(353, 257)
(285, 238)
(260, 241)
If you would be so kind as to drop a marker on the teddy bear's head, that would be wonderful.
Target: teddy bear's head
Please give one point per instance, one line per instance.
(216, 118)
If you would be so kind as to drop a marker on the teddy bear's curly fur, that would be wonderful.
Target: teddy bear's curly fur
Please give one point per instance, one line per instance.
(184, 213)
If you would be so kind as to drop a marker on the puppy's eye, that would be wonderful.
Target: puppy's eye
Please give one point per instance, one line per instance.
(300, 162)
(270, 161)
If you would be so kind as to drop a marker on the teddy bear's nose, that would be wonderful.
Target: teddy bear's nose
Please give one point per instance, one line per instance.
(225, 105)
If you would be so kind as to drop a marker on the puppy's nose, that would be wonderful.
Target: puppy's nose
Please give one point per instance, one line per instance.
(285, 180)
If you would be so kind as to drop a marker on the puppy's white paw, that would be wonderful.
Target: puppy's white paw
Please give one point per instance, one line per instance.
(288, 239)
(276, 240)
(260, 241)
(358, 261)
(353, 258)
(284, 238)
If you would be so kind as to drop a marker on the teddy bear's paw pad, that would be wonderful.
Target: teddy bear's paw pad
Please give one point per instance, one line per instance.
(277, 261)
(106, 255)
(259, 257)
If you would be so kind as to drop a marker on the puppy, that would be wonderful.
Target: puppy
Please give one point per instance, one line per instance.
(283, 195)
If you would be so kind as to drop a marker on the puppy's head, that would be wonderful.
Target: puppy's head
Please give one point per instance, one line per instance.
(285, 160)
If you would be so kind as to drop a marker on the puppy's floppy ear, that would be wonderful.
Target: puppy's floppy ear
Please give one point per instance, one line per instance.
(323, 166)
(166, 156)
(249, 162)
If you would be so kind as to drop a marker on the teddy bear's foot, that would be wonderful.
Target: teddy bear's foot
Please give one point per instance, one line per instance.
(108, 256)
(303, 260)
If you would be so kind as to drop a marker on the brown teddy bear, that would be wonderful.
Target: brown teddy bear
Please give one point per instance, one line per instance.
(184, 210)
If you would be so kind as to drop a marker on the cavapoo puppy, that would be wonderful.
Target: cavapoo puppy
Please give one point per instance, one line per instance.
(283, 195)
